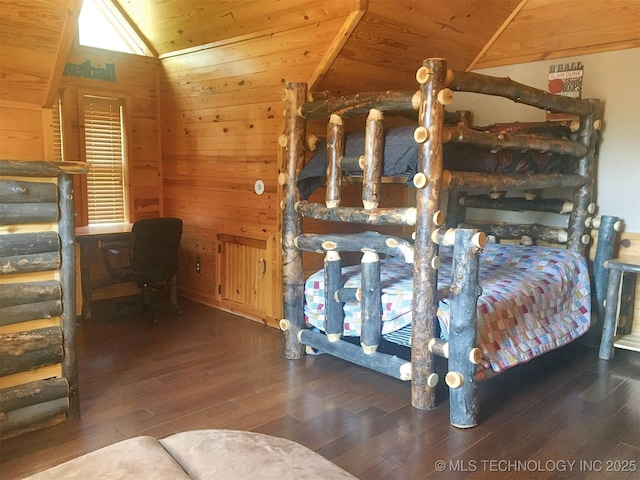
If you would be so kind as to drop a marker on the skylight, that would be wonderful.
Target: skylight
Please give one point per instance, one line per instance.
(101, 26)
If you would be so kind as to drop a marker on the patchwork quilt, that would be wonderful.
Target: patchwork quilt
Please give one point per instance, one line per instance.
(534, 300)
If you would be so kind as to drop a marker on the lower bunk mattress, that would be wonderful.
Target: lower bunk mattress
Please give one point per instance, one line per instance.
(534, 299)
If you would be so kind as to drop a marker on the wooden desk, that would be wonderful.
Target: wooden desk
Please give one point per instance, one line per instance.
(89, 238)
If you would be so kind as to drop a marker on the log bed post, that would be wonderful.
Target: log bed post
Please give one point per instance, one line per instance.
(431, 77)
(66, 230)
(372, 168)
(463, 328)
(335, 152)
(371, 308)
(583, 196)
(334, 313)
(294, 95)
(607, 235)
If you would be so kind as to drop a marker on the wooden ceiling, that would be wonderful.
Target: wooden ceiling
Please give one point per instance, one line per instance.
(35, 38)
(389, 39)
(380, 44)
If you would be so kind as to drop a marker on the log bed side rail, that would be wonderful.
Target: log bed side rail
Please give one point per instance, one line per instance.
(361, 103)
(358, 104)
(517, 204)
(495, 182)
(518, 92)
(528, 233)
(357, 242)
(380, 362)
(513, 141)
(376, 216)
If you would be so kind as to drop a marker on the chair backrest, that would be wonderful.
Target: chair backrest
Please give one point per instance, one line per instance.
(154, 247)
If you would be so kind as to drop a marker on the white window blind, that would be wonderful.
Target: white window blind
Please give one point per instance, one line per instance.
(104, 149)
(58, 149)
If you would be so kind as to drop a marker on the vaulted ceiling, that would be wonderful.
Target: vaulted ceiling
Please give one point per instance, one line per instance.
(389, 39)
(386, 39)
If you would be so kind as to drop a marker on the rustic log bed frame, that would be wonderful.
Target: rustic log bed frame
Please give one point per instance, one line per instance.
(437, 84)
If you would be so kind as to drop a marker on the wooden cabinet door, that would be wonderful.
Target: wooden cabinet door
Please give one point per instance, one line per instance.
(245, 276)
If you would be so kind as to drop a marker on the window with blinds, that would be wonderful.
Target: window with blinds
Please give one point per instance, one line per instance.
(105, 153)
(58, 148)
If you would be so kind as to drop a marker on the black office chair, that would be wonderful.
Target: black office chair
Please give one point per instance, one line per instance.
(150, 260)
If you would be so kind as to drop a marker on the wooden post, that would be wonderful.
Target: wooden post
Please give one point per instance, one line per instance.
(609, 323)
(583, 196)
(334, 313)
(66, 230)
(294, 96)
(431, 77)
(463, 327)
(607, 237)
(335, 151)
(371, 310)
(373, 153)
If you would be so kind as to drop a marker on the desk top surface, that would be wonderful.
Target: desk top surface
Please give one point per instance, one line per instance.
(107, 229)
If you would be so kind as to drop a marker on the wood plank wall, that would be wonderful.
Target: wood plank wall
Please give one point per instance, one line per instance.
(221, 117)
(25, 132)
(136, 82)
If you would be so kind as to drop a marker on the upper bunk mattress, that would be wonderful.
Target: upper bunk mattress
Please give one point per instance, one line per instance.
(534, 299)
(400, 156)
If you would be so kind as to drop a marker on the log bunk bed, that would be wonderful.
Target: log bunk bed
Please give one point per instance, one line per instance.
(483, 306)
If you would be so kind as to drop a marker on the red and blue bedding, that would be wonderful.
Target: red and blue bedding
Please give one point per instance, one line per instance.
(534, 299)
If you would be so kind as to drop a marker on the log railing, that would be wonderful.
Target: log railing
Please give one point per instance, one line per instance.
(37, 289)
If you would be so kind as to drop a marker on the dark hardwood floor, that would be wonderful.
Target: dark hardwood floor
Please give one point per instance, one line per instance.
(565, 415)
